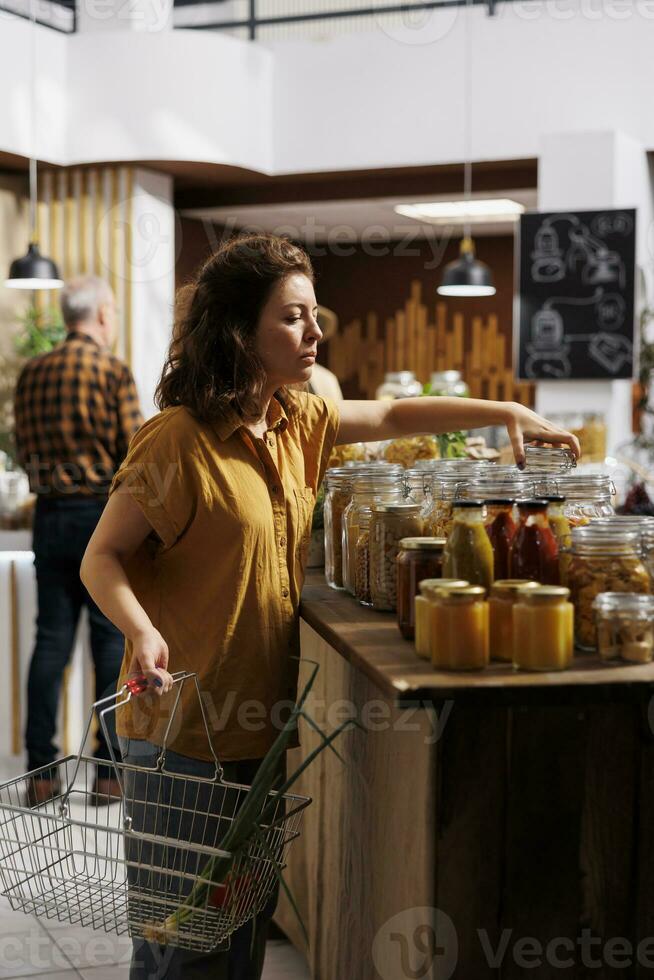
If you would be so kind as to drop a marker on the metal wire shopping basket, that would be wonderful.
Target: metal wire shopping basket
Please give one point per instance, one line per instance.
(129, 866)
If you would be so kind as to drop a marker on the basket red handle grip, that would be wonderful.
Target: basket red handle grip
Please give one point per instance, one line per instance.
(138, 683)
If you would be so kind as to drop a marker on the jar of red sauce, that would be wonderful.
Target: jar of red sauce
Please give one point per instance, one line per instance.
(418, 559)
(501, 529)
(534, 550)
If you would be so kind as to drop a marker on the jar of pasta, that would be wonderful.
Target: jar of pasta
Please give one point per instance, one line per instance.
(389, 523)
(338, 493)
(418, 559)
(644, 526)
(368, 485)
(587, 496)
(602, 559)
(459, 628)
(504, 594)
(469, 553)
(543, 630)
(625, 626)
(407, 450)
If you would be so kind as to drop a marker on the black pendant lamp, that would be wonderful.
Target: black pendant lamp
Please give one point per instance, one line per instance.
(467, 276)
(33, 270)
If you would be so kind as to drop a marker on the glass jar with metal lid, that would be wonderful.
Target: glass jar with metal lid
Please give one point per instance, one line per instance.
(367, 486)
(503, 596)
(459, 628)
(549, 459)
(587, 496)
(417, 485)
(625, 626)
(449, 384)
(424, 605)
(469, 553)
(390, 521)
(644, 525)
(543, 631)
(602, 559)
(417, 559)
(338, 493)
(483, 488)
(398, 384)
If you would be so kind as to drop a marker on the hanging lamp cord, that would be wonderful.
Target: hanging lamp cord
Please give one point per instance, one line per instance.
(467, 117)
(32, 135)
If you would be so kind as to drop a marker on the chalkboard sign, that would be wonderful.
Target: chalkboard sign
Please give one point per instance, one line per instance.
(575, 316)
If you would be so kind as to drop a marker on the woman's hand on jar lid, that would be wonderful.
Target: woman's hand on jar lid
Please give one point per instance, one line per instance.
(523, 425)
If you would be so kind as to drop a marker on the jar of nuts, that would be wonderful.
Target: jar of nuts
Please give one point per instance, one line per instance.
(625, 626)
(389, 523)
(602, 559)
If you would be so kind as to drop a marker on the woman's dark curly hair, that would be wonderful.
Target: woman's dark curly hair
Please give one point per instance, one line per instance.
(212, 361)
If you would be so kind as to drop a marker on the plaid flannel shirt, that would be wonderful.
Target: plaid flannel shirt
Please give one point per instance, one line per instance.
(76, 409)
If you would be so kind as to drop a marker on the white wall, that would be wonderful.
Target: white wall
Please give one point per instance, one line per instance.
(382, 99)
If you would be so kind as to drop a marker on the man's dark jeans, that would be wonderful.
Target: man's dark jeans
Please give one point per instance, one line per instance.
(62, 529)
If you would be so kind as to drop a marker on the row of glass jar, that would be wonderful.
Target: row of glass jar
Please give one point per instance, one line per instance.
(524, 623)
(434, 488)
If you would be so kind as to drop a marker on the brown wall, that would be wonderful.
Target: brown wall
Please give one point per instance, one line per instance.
(368, 291)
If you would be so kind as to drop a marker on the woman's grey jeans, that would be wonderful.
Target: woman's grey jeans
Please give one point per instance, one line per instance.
(150, 961)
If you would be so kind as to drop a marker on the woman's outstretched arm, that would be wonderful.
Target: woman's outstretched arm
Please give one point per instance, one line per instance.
(120, 531)
(369, 421)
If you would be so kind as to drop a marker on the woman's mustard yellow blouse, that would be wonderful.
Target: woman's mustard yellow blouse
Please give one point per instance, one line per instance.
(221, 576)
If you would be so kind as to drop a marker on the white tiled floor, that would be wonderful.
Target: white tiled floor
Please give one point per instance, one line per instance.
(32, 946)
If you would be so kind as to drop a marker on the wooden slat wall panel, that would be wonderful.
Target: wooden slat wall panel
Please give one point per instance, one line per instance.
(420, 339)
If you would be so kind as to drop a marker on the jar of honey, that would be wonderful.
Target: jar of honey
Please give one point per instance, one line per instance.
(543, 629)
(504, 594)
(459, 628)
(424, 610)
(417, 559)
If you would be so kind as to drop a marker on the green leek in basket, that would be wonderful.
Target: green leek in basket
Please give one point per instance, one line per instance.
(255, 815)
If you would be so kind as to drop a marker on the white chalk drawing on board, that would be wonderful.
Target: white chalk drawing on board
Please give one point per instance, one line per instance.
(601, 265)
(548, 351)
(612, 223)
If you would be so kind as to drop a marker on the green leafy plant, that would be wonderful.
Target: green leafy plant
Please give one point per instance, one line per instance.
(451, 445)
(40, 331)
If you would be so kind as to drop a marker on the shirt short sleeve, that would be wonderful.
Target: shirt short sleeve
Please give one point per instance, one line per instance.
(159, 475)
(318, 420)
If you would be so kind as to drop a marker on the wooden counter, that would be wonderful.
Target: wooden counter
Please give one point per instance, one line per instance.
(520, 806)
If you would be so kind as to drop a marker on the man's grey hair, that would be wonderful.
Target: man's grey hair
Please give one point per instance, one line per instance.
(81, 299)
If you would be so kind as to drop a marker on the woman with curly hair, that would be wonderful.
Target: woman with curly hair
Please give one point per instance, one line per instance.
(199, 555)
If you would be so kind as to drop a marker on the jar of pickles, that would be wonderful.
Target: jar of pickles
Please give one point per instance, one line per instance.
(469, 553)
(602, 559)
(534, 550)
(543, 631)
(338, 493)
(625, 626)
(459, 628)
(418, 559)
(504, 595)
(587, 496)
(389, 523)
(501, 529)
(384, 483)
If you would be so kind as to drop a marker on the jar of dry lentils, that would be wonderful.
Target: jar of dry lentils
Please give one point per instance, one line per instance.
(389, 523)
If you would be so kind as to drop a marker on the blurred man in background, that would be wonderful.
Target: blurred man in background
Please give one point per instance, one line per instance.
(76, 409)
